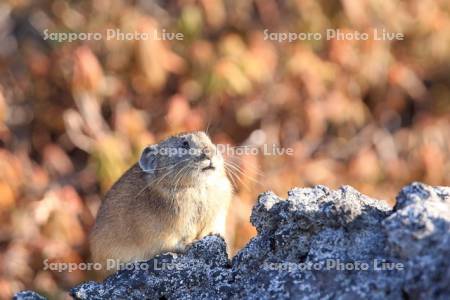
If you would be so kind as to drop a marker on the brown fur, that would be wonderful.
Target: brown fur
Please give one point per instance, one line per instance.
(137, 223)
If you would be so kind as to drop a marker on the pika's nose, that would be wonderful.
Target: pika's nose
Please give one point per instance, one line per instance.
(206, 153)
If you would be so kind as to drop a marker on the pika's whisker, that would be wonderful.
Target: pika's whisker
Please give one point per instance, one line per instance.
(171, 169)
(235, 168)
(231, 177)
(207, 127)
(179, 175)
(239, 179)
(233, 173)
(253, 169)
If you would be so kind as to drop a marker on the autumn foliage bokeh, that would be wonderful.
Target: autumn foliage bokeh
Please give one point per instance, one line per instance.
(74, 116)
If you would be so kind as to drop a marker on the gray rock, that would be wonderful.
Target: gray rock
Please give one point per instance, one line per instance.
(418, 233)
(316, 244)
(27, 295)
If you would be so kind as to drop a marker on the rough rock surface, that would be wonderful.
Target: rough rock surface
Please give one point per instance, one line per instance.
(316, 244)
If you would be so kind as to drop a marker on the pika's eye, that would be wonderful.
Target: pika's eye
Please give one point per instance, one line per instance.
(185, 145)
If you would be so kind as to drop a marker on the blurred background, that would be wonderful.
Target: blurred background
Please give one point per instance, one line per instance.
(74, 115)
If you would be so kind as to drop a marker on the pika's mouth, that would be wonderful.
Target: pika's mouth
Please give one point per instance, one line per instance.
(207, 165)
(210, 167)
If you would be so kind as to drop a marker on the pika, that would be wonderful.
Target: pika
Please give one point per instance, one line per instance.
(177, 193)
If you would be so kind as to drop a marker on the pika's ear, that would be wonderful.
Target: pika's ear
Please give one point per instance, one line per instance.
(147, 162)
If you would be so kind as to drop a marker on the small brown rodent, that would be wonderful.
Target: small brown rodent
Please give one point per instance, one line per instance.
(177, 193)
